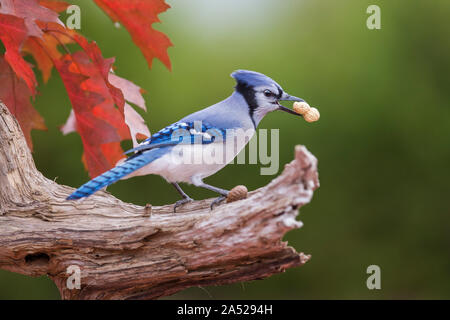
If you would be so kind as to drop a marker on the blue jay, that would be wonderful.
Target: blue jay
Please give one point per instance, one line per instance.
(254, 96)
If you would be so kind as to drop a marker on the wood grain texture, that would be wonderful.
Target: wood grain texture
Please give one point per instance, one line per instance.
(125, 251)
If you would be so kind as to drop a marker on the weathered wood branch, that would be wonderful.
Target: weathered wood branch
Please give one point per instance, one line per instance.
(125, 253)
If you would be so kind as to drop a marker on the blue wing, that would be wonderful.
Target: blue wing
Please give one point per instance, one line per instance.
(180, 132)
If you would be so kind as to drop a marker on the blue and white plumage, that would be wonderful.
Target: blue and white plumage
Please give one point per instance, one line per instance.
(166, 151)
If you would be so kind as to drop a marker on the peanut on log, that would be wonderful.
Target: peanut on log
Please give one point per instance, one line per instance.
(237, 193)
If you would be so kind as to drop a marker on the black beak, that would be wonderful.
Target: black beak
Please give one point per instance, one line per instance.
(287, 97)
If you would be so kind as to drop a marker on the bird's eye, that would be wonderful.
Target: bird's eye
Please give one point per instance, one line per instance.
(268, 93)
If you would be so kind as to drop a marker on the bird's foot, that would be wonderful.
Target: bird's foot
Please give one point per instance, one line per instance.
(181, 202)
(217, 201)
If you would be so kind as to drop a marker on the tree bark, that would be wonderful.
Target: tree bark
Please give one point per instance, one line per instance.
(124, 251)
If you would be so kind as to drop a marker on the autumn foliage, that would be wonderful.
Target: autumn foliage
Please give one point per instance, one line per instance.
(101, 111)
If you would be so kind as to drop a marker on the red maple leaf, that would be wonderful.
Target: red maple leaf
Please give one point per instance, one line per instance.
(133, 120)
(18, 21)
(13, 33)
(97, 120)
(31, 12)
(16, 95)
(100, 113)
(44, 50)
(137, 16)
(132, 94)
(104, 67)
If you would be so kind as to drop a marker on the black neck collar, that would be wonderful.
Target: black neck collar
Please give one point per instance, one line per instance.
(248, 92)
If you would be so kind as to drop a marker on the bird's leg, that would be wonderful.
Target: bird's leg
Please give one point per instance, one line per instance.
(223, 193)
(217, 201)
(185, 199)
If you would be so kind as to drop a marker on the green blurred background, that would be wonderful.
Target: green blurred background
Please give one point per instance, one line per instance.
(382, 141)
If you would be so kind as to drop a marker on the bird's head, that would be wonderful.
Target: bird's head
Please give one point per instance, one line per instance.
(263, 95)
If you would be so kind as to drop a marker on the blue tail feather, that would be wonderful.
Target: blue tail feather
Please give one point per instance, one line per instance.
(115, 174)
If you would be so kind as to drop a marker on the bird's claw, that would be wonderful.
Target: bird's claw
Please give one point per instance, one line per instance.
(217, 201)
(181, 202)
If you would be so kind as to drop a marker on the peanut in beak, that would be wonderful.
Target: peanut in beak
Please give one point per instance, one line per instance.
(308, 113)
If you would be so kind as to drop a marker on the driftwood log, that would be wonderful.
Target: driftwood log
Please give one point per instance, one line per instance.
(124, 251)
